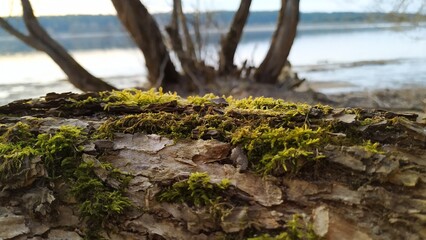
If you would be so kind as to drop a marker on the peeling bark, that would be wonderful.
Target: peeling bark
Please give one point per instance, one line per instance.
(352, 193)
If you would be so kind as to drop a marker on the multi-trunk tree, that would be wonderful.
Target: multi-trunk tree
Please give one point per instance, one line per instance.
(189, 72)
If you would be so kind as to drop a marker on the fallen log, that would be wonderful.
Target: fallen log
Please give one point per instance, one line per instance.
(151, 165)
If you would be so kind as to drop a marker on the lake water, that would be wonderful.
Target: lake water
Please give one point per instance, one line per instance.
(361, 57)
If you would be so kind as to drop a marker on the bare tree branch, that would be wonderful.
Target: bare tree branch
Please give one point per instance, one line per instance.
(24, 38)
(39, 39)
(189, 45)
(230, 42)
(282, 41)
(147, 36)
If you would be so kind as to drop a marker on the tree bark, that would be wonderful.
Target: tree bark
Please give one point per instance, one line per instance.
(146, 34)
(230, 42)
(39, 39)
(281, 44)
(355, 191)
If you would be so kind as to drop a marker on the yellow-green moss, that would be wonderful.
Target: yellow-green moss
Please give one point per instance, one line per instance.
(296, 229)
(134, 97)
(369, 121)
(61, 150)
(274, 126)
(281, 149)
(82, 103)
(61, 153)
(198, 100)
(372, 147)
(269, 106)
(197, 190)
(99, 202)
(169, 124)
(16, 146)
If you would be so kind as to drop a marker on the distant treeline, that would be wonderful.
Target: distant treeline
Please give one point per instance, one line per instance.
(105, 31)
(108, 23)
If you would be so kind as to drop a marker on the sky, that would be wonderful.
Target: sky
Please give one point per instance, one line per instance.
(67, 7)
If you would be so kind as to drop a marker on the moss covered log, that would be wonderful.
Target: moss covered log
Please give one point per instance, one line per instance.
(152, 165)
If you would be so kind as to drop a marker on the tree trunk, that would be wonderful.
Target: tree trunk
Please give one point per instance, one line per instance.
(282, 41)
(189, 44)
(147, 36)
(230, 42)
(39, 39)
(187, 60)
(362, 179)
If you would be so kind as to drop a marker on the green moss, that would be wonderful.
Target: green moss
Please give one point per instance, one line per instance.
(296, 229)
(61, 154)
(99, 202)
(198, 100)
(12, 159)
(269, 129)
(281, 149)
(372, 147)
(134, 97)
(197, 190)
(61, 150)
(169, 124)
(16, 147)
(369, 121)
(17, 134)
(268, 106)
(82, 103)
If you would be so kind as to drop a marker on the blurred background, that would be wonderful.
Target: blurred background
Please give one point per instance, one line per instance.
(340, 47)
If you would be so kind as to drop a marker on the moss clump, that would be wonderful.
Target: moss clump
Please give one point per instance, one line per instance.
(12, 159)
(16, 148)
(17, 134)
(198, 100)
(278, 150)
(173, 125)
(372, 147)
(296, 229)
(268, 106)
(369, 121)
(61, 154)
(197, 190)
(273, 132)
(133, 97)
(99, 202)
(169, 124)
(82, 103)
(61, 150)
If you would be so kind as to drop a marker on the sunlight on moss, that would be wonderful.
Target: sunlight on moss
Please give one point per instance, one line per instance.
(134, 97)
(198, 100)
(268, 106)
